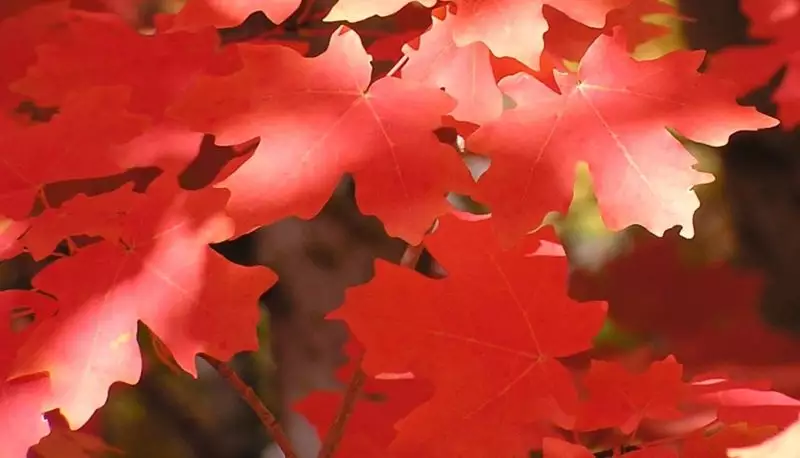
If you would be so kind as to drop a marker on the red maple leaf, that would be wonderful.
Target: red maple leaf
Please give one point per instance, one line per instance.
(14, 7)
(620, 398)
(100, 49)
(19, 36)
(614, 114)
(22, 402)
(83, 215)
(358, 10)
(156, 266)
(671, 296)
(707, 314)
(785, 444)
(393, 33)
(771, 18)
(751, 67)
(716, 444)
(98, 206)
(10, 233)
(510, 28)
(383, 401)
(227, 13)
(464, 72)
(76, 143)
(488, 336)
(20, 313)
(747, 402)
(570, 39)
(317, 121)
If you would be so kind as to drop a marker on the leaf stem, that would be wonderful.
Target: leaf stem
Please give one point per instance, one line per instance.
(264, 415)
(336, 431)
(398, 65)
(411, 256)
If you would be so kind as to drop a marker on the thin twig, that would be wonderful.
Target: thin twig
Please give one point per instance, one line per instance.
(336, 432)
(398, 65)
(264, 415)
(411, 256)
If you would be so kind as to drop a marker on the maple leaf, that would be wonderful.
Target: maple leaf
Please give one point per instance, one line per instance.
(96, 206)
(570, 39)
(316, 123)
(358, 10)
(770, 18)
(406, 26)
(17, 307)
(14, 7)
(510, 28)
(19, 36)
(102, 50)
(464, 72)
(10, 233)
(22, 402)
(227, 13)
(515, 28)
(715, 444)
(705, 314)
(751, 67)
(158, 269)
(613, 114)
(214, 163)
(384, 400)
(750, 403)
(82, 134)
(785, 444)
(618, 397)
(488, 336)
(99, 215)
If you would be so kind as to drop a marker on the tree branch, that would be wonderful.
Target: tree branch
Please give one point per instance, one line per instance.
(264, 415)
(336, 431)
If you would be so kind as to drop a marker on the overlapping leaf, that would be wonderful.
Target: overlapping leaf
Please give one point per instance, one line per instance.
(491, 335)
(500, 320)
(383, 401)
(67, 147)
(616, 397)
(464, 72)
(154, 265)
(706, 314)
(510, 28)
(751, 67)
(614, 114)
(99, 50)
(569, 39)
(319, 119)
(225, 13)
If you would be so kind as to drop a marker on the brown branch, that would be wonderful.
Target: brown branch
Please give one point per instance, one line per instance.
(264, 415)
(400, 63)
(336, 432)
(411, 256)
